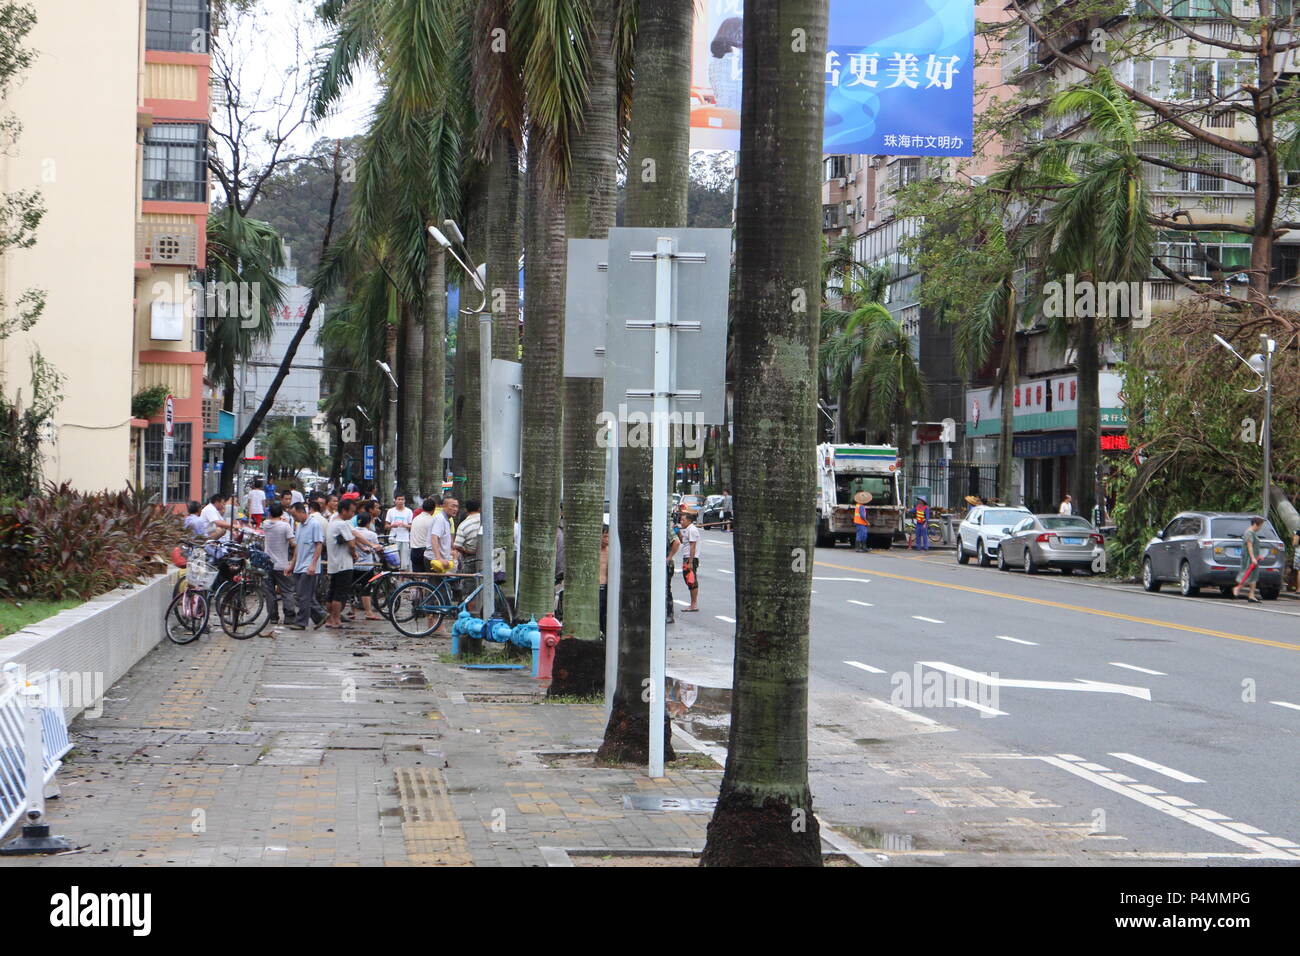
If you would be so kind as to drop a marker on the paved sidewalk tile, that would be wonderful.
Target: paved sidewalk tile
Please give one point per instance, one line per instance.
(347, 748)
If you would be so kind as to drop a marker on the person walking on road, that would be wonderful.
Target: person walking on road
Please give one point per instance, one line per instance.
(279, 536)
(861, 521)
(306, 565)
(341, 549)
(922, 515)
(1067, 506)
(255, 503)
(399, 520)
(1250, 560)
(691, 558)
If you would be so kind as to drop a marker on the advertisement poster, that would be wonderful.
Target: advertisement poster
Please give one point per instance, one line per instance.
(899, 77)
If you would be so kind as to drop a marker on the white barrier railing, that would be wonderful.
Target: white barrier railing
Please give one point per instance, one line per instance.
(19, 794)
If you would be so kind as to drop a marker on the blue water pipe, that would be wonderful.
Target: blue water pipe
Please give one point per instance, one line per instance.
(469, 627)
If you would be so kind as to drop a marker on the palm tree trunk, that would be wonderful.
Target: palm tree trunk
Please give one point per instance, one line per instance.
(433, 398)
(543, 396)
(1010, 381)
(504, 245)
(764, 814)
(1088, 430)
(590, 216)
(389, 473)
(412, 393)
(660, 133)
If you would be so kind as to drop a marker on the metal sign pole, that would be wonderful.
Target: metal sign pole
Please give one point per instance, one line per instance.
(487, 543)
(613, 577)
(659, 485)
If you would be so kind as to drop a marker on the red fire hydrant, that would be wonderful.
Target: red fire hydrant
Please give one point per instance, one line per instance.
(549, 640)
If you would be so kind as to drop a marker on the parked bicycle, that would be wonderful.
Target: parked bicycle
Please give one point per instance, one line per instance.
(419, 606)
(231, 579)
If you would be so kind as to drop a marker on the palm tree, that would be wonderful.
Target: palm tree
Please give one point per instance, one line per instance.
(659, 131)
(764, 813)
(868, 358)
(1097, 228)
(290, 447)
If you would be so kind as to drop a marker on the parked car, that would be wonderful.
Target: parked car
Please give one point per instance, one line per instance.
(1203, 549)
(714, 515)
(692, 503)
(1068, 542)
(982, 530)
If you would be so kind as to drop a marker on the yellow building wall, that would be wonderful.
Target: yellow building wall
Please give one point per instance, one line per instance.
(77, 105)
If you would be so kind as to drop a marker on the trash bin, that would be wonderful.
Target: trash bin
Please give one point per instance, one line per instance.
(949, 529)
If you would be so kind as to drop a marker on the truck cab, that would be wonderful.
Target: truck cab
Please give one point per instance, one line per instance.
(843, 471)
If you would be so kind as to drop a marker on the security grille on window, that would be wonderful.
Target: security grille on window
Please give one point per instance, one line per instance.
(178, 463)
(176, 162)
(180, 26)
(836, 167)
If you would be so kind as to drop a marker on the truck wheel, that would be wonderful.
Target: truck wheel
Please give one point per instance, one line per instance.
(824, 538)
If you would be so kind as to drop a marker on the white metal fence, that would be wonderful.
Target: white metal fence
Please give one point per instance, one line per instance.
(55, 742)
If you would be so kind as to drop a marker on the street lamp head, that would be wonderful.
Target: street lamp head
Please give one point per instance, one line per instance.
(480, 276)
(1256, 362)
(1224, 342)
(439, 238)
(453, 230)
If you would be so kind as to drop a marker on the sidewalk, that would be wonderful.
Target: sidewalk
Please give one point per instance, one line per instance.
(355, 748)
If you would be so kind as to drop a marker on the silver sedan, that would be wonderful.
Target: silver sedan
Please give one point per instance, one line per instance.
(1060, 541)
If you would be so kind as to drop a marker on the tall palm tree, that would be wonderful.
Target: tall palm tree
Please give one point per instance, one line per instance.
(764, 813)
(659, 131)
(1097, 228)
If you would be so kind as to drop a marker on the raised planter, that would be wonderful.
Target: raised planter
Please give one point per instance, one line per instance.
(94, 644)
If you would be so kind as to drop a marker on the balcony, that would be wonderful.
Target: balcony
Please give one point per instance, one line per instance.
(167, 244)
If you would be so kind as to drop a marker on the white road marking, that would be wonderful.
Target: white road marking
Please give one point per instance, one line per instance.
(860, 580)
(1283, 703)
(865, 667)
(1146, 788)
(681, 603)
(1159, 768)
(722, 570)
(1280, 841)
(1203, 819)
(1134, 667)
(1095, 767)
(729, 620)
(1142, 693)
(928, 620)
(903, 712)
(963, 702)
(1245, 828)
(1119, 778)
(862, 603)
(1069, 756)
(1177, 801)
(1208, 814)
(1015, 640)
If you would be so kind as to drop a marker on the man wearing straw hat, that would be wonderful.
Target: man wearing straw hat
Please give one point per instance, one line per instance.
(861, 520)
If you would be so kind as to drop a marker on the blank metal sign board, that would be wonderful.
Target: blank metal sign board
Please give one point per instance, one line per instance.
(584, 309)
(700, 291)
(505, 426)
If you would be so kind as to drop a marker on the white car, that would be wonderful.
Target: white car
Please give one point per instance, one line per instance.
(982, 530)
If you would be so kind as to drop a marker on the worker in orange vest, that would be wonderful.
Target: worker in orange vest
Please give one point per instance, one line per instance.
(861, 519)
(922, 524)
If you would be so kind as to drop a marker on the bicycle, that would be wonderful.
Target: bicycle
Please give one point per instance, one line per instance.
(239, 596)
(187, 615)
(419, 607)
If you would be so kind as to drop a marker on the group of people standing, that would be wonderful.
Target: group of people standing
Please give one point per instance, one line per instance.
(306, 536)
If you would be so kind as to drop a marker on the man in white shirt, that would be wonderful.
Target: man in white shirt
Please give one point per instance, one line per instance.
(420, 528)
(440, 535)
(214, 515)
(398, 519)
(340, 546)
(690, 537)
(279, 536)
(255, 505)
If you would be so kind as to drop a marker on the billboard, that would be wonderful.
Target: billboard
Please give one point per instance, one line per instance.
(899, 77)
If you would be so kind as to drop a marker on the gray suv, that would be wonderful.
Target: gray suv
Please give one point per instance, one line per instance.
(1203, 549)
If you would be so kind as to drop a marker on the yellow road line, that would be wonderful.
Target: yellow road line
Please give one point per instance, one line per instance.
(1067, 607)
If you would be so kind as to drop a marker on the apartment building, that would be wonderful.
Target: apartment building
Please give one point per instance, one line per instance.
(114, 114)
(174, 104)
(1205, 83)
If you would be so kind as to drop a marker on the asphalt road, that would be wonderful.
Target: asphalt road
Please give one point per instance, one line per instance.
(965, 715)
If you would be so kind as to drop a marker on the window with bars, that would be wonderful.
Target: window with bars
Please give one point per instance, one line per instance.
(200, 302)
(178, 464)
(179, 26)
(1185, 257)
(176, 162)
(837, 167)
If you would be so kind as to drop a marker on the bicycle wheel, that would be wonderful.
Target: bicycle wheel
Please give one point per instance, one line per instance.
(186, 616)
(381, 595)
(416, 608)
(242, 610)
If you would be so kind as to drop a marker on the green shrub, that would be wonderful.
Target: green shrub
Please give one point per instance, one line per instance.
(148, 402)
(64, 543)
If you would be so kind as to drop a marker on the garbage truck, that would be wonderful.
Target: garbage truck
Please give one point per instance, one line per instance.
(845, 470)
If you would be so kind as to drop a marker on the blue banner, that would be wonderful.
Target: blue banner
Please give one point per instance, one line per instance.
(368, 462)
(900, 77)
